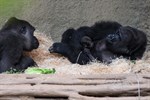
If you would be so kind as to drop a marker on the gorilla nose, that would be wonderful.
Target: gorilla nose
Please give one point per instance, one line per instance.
(36, 44)
(51, 50)
(112, 38)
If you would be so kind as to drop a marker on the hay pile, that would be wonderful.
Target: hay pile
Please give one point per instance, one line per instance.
(46, 60)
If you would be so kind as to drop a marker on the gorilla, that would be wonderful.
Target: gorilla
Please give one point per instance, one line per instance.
(16, 36)
(71, 46)
(98, 50)
(103, 41)
(128, 42)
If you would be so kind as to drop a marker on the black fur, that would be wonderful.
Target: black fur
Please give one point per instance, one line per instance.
(16, 36)
(98, 50)
(71, 46)
(103, 43)
(128, 42)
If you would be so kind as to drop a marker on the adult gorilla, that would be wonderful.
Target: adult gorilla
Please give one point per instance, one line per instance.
(127, 42)
(16, 36)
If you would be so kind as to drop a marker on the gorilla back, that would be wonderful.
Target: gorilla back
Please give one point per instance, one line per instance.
(16, 36)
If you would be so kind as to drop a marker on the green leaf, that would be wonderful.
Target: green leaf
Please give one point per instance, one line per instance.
(33, 70)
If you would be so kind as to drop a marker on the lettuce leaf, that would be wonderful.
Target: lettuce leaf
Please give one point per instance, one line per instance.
(34, 70)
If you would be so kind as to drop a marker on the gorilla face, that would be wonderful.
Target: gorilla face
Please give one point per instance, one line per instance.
(121, 38)
(25, 30)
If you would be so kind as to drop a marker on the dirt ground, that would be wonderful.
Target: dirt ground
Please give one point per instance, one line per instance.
(46, 60)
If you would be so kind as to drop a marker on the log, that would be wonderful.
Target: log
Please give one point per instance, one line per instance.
(63, 87)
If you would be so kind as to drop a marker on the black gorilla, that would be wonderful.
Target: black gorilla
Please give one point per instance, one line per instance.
(16, 36)
(98, 50)
(128, 42)
(71, 46)
(101, 41)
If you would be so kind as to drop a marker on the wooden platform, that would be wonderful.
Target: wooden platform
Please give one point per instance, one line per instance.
(58, 87)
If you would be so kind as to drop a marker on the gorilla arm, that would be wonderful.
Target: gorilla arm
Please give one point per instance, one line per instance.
(5, 63)
(24, 63)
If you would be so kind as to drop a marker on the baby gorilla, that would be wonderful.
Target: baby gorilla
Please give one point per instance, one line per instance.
(16, 36)
(97, 50)
(128, 42)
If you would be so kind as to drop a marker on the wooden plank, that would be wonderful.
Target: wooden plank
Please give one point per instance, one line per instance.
(55, 90)
(103, 87)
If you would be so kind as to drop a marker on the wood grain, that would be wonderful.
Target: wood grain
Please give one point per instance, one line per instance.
(63, 87)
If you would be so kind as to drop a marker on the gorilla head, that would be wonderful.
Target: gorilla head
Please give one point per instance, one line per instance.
(73, 37)
(24, 30)
(15, 37)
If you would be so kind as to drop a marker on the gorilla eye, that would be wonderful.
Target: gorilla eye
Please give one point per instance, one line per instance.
(23, 30)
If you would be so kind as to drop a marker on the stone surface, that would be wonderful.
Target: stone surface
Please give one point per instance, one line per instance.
(53, 17)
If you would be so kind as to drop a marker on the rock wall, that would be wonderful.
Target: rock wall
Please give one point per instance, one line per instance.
(53, 17)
